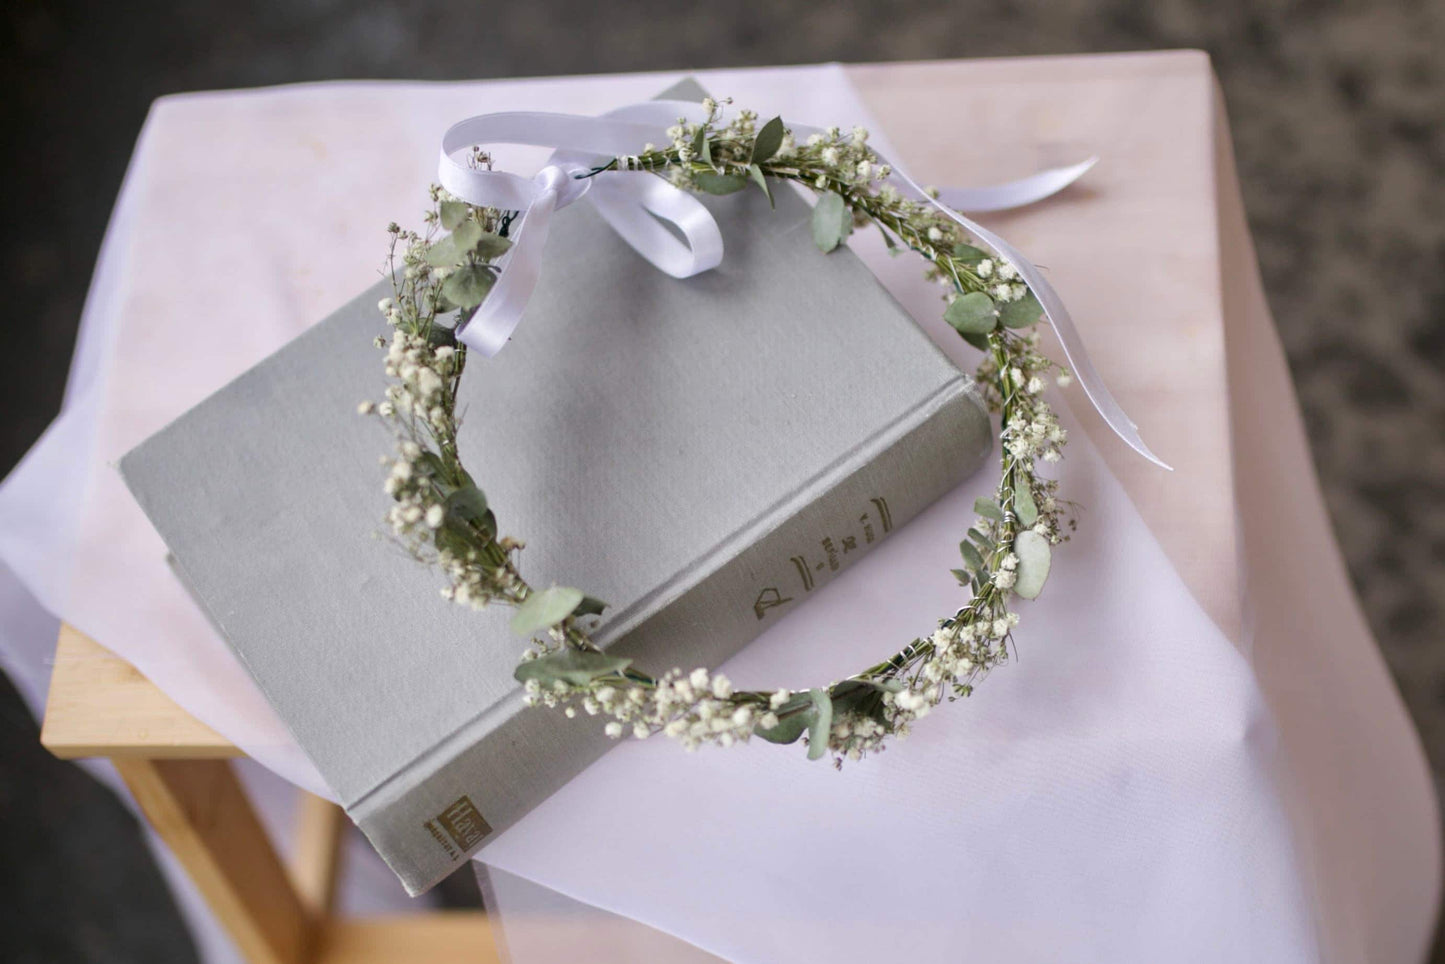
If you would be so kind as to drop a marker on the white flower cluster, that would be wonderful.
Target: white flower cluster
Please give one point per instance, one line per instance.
(694, 708)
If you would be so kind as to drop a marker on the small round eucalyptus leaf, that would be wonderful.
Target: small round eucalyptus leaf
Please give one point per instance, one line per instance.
(831, 221)
(545, 608)
(1034, 557)
(820, 725)
(468, 285)
(714, 183)
(1024, 506)
(972, 314)
(1022, 313)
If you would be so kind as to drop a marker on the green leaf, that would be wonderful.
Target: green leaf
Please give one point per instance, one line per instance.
(988, 508)
(864, 697)
(701, 146)
(963, 576)
(545, 608)
(1034, 556)
(575, 666)
(769, 139)
(971, 556)
(468, 285)
(1022, 313)
(438, 335)
(488, 525)
(967, 252)
(443, 253)
(454, 213)
(589, 606)
(831, 221)
(715, 183)
(466, 507)
(820, 725)
(1024, 507)
(466, 236)
(794, 717)
(454, 248)
(978, 341)
(449, 540)
(983, 540)
(490, 246)
(972, 314)
(761, 181)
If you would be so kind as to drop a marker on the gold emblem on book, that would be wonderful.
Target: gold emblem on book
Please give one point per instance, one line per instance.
(771, 597)
(462, 822)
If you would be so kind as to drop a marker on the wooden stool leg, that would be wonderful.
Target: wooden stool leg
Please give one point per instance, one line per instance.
(200, 810)
(316, 854)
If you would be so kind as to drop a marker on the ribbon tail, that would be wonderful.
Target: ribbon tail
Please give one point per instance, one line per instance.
(1069, 338)
(1015, 194)
(501, 311)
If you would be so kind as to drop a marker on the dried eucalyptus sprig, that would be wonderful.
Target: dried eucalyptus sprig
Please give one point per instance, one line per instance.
(442, 517)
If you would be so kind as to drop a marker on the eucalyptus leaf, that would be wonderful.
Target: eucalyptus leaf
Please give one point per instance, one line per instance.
(972, 314)
(545, 608)
(465, 507)
(831, 221)
(988, 508)
(1022, 313)
(438, 335)
(468, 285)
(971, 556)
(701, 146)
(963, 576)
(756, 173)
(714, 183)
(978, 341)
(454, 248)
(984, 541)
(794, 718)
(444, 253)
(1024, 507)
(449, 540)
(488, 524)
(863, 697)
(454, 213)
(967, 252)
(577, 667)
(466, 235)
(821, 725)
(490, 246)
(769, 139)
(1034, 557)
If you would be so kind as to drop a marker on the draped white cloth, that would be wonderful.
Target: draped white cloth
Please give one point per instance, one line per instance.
(1198, 754)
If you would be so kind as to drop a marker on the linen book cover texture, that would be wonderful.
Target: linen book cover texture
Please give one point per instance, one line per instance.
(703, 454)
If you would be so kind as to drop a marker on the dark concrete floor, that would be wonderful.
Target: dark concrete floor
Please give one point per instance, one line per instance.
(1337, 110)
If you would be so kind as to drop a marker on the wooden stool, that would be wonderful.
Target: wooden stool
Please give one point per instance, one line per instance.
(178, 770)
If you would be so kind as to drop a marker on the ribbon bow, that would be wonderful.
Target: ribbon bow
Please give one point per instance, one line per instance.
(633, 201)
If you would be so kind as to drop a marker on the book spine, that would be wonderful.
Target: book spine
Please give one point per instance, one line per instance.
(428, 819)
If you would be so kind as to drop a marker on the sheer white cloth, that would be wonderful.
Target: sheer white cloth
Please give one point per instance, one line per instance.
(1198, 754)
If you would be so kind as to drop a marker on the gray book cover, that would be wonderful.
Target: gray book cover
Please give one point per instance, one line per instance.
(703, 454)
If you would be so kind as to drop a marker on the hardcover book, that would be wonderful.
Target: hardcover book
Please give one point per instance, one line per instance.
(702, 454)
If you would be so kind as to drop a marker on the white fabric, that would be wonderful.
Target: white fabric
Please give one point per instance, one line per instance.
(1153, 779)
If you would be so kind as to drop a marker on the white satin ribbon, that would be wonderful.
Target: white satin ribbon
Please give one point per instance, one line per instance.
(633, 201)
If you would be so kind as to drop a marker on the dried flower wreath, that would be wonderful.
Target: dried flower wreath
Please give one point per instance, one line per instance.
(443, 518)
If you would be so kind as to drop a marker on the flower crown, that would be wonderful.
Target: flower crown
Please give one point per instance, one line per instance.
(451, 295)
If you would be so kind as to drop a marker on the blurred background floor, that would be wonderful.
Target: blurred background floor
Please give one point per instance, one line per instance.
(1337, 109)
